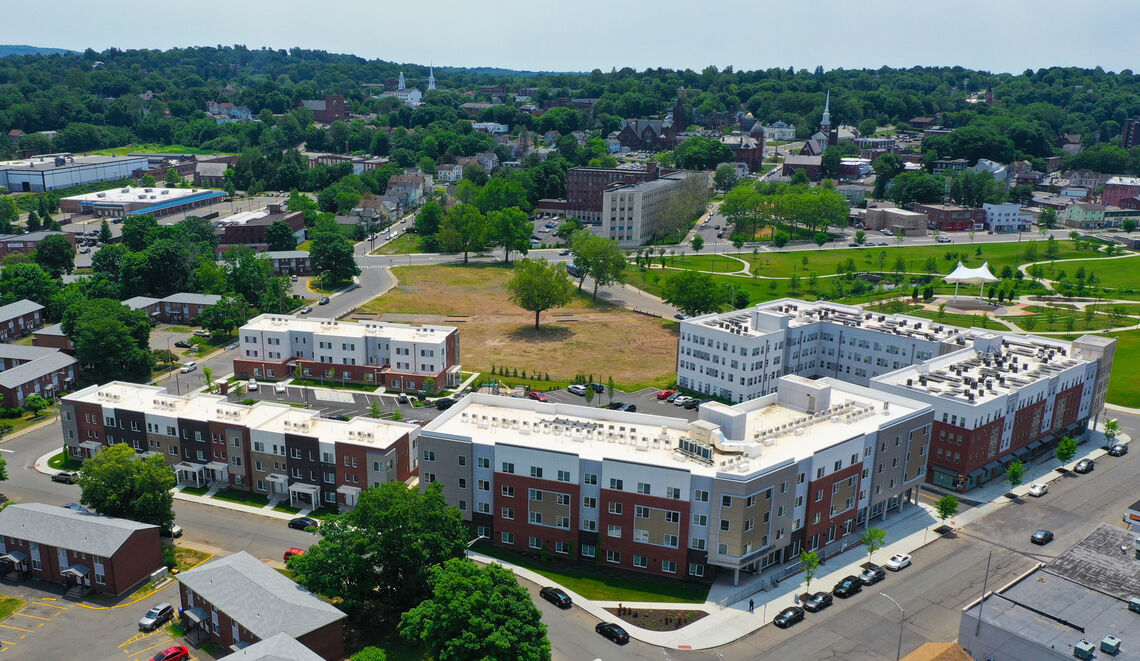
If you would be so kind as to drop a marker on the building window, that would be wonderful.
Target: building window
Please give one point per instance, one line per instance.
(507, 537)
(726, 501)
(535, 543)
(508, 467)
(508, 490)
(588, 550)
(615, 484)
(700, 520)
(643, 488)
(590, 478)
(669, 566)
(614, 531)
(563, 476)
(725, 525)
(535, 494)
(536, 471)
(615, 508)
(484, 462)
(589, 502)
(701, 496)
(673, 492)
(641, 512)
(508, 513)
(562, 547)
(696, 569)
(640, 561)
(697, 543)
(613, 556)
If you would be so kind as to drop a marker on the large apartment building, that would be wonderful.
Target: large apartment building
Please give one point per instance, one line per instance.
(744, 487)
(585, 187)
(273, 449)
(996, 396)
(397, 356)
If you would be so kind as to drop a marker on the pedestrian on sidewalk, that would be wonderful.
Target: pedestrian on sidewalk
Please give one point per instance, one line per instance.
(751, 606)
(796, 599)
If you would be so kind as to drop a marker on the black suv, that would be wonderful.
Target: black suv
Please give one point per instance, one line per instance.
(872, 574)
(555, 596)
(1084, 466)
(848, 586)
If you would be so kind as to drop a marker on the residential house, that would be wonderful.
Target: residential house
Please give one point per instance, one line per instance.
(227, 112)
(922, 123)
(288, 262)
(449, 174)
(279, 647)
(409, 189)
(81, 550)
(20, 318)
(949, 165)
(27, 371)
(52, 337)
(238, 599)
(1084, 216)
(488, 160)
(779, 130)
(1069, 142)
(1085, 178)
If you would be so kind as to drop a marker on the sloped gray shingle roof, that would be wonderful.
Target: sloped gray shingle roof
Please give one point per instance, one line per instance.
(276, 648)
(19, 308)
(61, 527)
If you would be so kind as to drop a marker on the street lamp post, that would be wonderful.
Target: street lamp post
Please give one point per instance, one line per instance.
(902, 620)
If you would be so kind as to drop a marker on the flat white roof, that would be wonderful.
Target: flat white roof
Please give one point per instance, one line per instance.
(315, 325)
(241, 217)
(774, 433)
(268, 416)
(132, 194)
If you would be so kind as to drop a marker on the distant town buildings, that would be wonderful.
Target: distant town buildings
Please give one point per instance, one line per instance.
(952, 217)
(1118, 189)
(227, 112)
(585, 187)
(327, 110)
(27, 371)
(248, 227)
(1130, 135)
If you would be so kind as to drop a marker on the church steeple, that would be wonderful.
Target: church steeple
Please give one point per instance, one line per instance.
(825, 121)
(431, 79)
(401, 85)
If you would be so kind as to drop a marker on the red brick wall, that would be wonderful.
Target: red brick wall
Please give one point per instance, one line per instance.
(327, 642)
(1027, 424)
(626, 544)
(826, 520)
(1067, 406)
(520, 526)
(140, 555)
(82, 411)
(404, 468)
(357, 458)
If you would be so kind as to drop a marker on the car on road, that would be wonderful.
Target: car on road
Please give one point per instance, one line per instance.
(872, 574)
(818, 602)
(680, 316)
(67, 477)
(324, 301)
(1084, 466)
(576, 389)
(852, 245)
(188, 367)
(290, 552)
(555, 596)
(176, 653)
(183, 344)
(444, 403)
(887, 232)
(692, 403)
(173, 532)
(280, 388)
(402, 398)
(665, 393)
(303, 522)
(789, 616)
(537, 396)
(306, 310)
(251, 385)
(898, 562)
(612, 631)
(293, 278)
(1038, 490)
(848, 586)
(77, 507)
(158, 615)
(1041, 537)
(231, 347)
(1118, 450)
(945, 239)
(201, 332)
(564, 252)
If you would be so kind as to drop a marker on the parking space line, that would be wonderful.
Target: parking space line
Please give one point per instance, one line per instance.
(140, 636)
(16, 628)
(37, 617)
(62, 608)
(146, 648)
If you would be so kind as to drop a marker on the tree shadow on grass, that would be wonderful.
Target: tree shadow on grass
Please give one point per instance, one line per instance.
(546, 333)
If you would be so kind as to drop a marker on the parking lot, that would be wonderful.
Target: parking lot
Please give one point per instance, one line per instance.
(546, 234)
(50, 622)
(333, 403)
(645, 400)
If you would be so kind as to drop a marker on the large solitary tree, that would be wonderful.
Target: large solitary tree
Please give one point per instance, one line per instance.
(112, 341)
(693, 293)
(117, 481)
(538, 285)
(331, 253)
(463, 229)
(479, 613)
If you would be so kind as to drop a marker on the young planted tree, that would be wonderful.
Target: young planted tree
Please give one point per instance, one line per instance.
(873, 540)
(809, 560)
(946, 506)
(1111, 431)
(1014, 474)
(208, 377)
(1066, 450)
(35, 405)
(589, 394)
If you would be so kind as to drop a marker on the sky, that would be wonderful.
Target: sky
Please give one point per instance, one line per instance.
(581, 35)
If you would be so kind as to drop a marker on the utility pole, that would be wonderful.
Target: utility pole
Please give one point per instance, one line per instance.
(982, 603)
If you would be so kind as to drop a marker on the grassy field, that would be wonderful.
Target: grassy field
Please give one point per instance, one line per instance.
(63, 462)
(242, 497)
(1124, 384)
(593, 584)
(1044, 319)
(9, 605)
(585, 336)
(1123, 273)
(405, 244)
(153, 148)
(962, 320)
(713, 263)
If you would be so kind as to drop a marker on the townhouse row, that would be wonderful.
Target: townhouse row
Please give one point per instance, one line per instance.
(997, 397)
(400, 357)
(282, 452)
(742, 488)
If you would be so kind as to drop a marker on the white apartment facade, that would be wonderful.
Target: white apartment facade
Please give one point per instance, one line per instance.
(633, 213)
(1006, 218)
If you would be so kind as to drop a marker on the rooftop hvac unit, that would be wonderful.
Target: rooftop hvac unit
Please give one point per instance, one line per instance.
(1110, 644)
(1134, 604)
(1084, 650)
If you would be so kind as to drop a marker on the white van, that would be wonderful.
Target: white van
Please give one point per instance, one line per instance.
(189, 367)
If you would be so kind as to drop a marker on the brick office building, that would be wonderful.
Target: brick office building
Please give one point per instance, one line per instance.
(586, 186)
(952, 218)
(248, 228)
(327, 110)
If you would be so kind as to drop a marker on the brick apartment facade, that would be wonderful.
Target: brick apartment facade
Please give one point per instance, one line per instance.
(252, 231)
(585, 187)
(20, 318)
(952, 218)
(27, 371)
(181, 308)
(25, 244)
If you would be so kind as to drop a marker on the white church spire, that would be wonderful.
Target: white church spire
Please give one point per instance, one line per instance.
(826, 119)
(431, 78)
(401, 84)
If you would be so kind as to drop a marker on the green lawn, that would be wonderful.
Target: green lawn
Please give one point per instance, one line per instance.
(405, 244)
(9, 605)
(185, 558)
(593, 584)
(154, 148)
(64, 462)
(962, 320)
(305, 245)
(1124, 384)
(1123, 273)
(24, 421)
(1045, 319)
(242, 497)
(332, 383)
(195, 491)
(286, 509)
(713, 263)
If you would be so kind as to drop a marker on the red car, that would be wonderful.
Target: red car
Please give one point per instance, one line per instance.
(179, 653)
(292, 551)
(664, 394)
(537, 396)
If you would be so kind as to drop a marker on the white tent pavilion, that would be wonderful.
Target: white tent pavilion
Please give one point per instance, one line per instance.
(978, 276)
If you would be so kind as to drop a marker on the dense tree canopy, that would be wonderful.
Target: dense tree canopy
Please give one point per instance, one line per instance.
(117, 481)
(112, 341)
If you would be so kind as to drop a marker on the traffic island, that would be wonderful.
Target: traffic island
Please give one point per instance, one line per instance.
(653, 619)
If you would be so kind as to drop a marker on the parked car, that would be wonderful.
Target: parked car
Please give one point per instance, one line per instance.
(555, 596)
(251, 385)
(67, 477)
(183, 344)
(173, 532)
(631, 408)
(1084, 466)
(537, 396)
(188, 367)
(293, 277)
(290, 552)
(789, 616)
(303, 522)
(848, 586)
(898, 562)
(280, 388)
(612, 631)
(84, 250)
(306, 310)
(324, 301)
(818, 602)
(852, 245)
(402, 398)
(672, 398)
(692, 403)
(598, 387)
(231, 346)
(680, 316)
(613, 406)
(77, 507)
(665, 393)
(576, 389)
(1038, 490)
(1118, 450)
(1041, 537)
(158, 615)
(201, 332)
(872, 574)
(444, 403)
(176, 653)
(680, 401)
(945, 239)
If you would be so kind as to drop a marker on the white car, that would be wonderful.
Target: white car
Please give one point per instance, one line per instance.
(279, 388)
(189, 367)
(1038, 490)
(252, 385)
(897, 562)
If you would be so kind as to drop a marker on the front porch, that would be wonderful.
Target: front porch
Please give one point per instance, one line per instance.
(305, 496)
